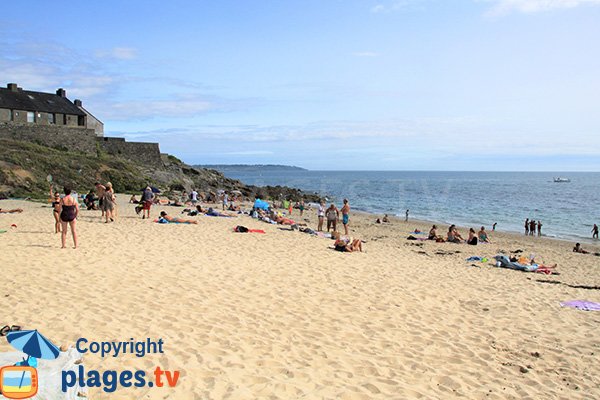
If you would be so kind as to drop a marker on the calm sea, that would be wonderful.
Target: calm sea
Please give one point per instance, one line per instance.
(567, 210)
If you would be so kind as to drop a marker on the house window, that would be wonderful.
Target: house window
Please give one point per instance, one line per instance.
(81, 120)
(51, 118)
(30, 117)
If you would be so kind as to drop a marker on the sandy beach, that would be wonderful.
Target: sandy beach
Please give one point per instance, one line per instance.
(283, 316)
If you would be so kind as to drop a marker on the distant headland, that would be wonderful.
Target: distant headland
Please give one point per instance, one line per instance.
(251, 167)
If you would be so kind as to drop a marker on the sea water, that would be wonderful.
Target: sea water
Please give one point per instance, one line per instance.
(471, 199)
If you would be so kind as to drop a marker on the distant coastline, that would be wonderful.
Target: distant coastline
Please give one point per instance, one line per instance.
(251, 167)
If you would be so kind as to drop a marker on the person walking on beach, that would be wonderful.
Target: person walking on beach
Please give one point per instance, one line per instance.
(225, 200)
(332, 215)
(595, 232)
(194, 197)
(346, 215)
(527, 226)
(69, 209)
(539, 228)
(108, 203)
(55, 196)
(301, 207)
(100, 189)
(406, 219)
(321, 215)
(147, 200)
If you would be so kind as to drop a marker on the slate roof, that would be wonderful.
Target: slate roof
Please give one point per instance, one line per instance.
(37, 101)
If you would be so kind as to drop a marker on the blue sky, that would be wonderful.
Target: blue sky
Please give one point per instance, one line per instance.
(327, 84)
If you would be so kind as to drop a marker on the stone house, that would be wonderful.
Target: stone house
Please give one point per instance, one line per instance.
(25, 107)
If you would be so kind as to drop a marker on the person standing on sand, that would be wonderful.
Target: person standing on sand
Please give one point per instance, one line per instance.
(194, 197)
(301, 207)
(225, 200)
(526, 226)
(346, 215)
(69, 209)
(290, 208)
(321, 215)
(108, 202)
(55, 197)
(332, 215)
(539, 228)
(406, 219)
(100, 189)
(595, 232)
(532, 227)
(147, 199)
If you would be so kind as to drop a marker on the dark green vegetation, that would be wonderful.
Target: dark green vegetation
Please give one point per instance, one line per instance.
(24, 167)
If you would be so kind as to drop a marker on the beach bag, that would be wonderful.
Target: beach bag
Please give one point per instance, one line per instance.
(241, 229)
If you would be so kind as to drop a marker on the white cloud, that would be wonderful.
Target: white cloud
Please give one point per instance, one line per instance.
(178, 106)
(503, 7)
(118, 53)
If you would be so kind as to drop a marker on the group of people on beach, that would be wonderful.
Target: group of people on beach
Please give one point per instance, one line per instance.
(453, 236)
(531, 225)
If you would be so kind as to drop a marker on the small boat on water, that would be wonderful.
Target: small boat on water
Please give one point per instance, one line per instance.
(559, 179)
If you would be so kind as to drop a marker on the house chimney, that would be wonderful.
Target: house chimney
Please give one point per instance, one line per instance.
(77, 102)
(61, 92)
(12, 87)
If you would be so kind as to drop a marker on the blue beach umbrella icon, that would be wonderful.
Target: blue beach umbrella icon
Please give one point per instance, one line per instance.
(34, 344)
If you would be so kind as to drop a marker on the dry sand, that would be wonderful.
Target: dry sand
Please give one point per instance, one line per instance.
(282, 316)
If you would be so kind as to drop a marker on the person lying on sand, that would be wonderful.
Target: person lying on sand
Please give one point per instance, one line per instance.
(343, 246)
(14, 210)
(176, 220)
(346, 245)
(285, 221)
(213, 213)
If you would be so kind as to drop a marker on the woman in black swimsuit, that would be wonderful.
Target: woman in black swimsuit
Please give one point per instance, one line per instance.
(69, 208)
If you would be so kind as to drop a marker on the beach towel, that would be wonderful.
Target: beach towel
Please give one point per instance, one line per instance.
(477, 258)
(50, 374)
(505, 262)
(582, 305)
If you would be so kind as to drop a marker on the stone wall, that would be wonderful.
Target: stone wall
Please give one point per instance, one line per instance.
(144, 153)
(84, 140)
(74, 139)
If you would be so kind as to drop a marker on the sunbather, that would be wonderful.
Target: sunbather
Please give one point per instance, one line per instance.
(343, 246)
(346, 245)
(579, 249)
(472, 240)
(483, 237)
(14, 210)
(453, 235)
(176, 220)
